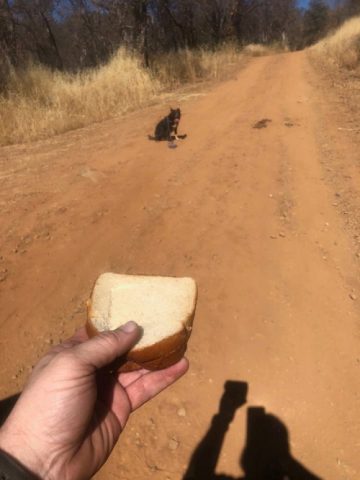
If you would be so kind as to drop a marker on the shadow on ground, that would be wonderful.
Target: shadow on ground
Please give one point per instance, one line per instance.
(266, 455)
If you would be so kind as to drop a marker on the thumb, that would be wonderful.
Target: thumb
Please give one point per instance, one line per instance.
(104, 348)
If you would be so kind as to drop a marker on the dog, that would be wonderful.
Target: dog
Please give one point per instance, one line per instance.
(167, 128)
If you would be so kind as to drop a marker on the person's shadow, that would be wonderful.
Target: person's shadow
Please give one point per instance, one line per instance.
(266, 455)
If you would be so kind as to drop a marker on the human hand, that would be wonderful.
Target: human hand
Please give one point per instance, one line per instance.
(72, 410)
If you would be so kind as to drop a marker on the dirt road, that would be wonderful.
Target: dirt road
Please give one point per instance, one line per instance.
(265, 219)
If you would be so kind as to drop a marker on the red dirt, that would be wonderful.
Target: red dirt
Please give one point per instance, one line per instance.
(264, 219)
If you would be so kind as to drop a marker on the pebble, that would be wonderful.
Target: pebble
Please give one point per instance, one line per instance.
(353, 296)
(174, 444)
(181, 412)
(281, 234)
(3, 274)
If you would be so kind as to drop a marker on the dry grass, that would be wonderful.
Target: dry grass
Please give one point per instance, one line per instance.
(343, 46)
(39, 103)
(194, 65)
(260, 50)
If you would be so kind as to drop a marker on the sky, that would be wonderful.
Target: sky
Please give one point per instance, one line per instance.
(305, 3)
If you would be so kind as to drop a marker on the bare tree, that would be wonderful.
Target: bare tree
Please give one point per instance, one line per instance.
(77, 34)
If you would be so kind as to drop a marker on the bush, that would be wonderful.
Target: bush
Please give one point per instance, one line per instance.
(343, 46)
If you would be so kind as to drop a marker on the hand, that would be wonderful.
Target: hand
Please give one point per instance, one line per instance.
(72, 410)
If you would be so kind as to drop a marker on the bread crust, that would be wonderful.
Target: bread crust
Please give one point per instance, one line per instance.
(158, 356)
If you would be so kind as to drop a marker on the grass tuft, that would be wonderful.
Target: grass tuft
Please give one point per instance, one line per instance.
(342, 47)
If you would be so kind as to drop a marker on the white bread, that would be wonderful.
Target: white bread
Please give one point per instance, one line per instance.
(163, 307)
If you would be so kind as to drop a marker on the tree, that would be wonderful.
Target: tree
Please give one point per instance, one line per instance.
(75, 34)
(316, 21)
(352, 7)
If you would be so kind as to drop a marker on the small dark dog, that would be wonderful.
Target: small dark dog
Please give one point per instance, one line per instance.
(167, 128)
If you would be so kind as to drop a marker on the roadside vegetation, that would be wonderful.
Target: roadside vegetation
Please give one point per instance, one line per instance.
(39, 102)
(342, 47)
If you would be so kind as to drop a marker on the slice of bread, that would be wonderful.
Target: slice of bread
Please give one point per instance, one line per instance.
(163, 307)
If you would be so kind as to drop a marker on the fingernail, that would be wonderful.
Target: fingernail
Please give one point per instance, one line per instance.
(129, 327)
